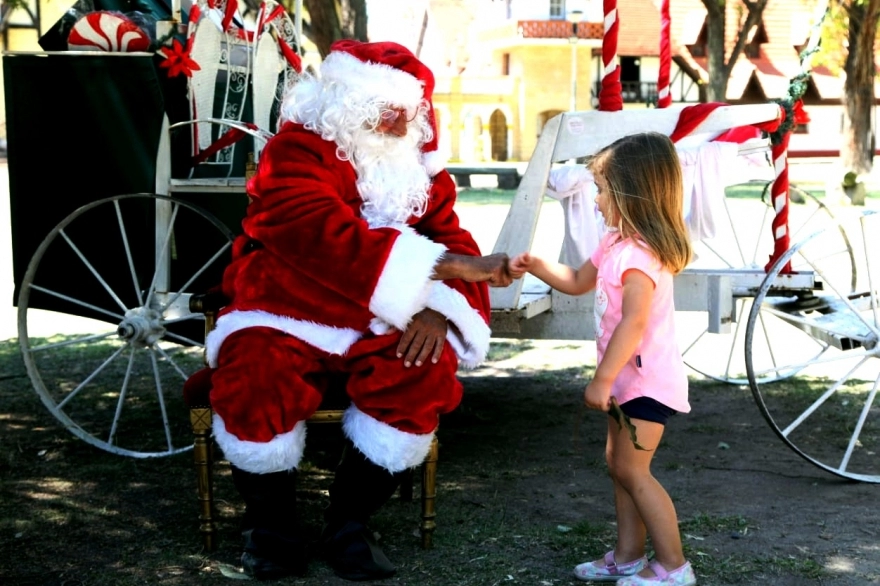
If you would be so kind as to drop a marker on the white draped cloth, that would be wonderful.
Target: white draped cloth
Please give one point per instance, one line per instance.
(707, 168)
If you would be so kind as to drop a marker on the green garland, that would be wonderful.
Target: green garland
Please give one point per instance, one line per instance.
(797, 87)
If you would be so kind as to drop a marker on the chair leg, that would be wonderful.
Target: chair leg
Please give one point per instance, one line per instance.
(200, 418)
(429, 494)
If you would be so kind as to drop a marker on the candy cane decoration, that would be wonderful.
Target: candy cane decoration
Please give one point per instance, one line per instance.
(664, 97)
(107, 31)
(797, 87)
(779, 197)
(610, 99)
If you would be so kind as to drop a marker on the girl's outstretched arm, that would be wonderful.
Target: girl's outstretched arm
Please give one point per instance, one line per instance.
(561, 277)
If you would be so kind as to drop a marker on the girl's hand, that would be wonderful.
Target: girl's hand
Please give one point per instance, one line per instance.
(597, 396)
(520, 265)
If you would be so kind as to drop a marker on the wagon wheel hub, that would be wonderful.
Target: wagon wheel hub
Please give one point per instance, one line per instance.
(141, 326)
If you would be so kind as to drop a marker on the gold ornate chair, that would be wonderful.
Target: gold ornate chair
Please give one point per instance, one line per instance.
(204, 450)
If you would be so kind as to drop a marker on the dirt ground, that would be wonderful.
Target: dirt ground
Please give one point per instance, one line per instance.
(522, 493)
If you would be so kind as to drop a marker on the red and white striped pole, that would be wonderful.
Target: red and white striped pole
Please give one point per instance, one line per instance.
(664, 97)
(779, 197)
(610, 97)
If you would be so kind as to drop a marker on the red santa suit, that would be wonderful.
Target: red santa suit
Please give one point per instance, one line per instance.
(316, 290)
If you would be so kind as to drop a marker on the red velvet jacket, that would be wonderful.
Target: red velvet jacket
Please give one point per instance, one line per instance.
(309, 265)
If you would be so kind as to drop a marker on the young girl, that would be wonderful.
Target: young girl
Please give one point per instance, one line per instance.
(640, 197)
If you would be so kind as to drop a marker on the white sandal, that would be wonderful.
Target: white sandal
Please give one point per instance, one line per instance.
(683, 576)
(610, 571)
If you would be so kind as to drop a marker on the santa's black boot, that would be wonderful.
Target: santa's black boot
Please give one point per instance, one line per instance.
(274, 546)
(359, 488)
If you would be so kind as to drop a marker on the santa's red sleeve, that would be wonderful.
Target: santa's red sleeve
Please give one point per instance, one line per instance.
(305, 210)
(465, 305)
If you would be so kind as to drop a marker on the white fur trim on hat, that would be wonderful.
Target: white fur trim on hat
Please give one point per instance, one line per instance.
(282, 452)
(327, 338)
(374, 80)
(384, 445)
(405, 282)
(468, 332)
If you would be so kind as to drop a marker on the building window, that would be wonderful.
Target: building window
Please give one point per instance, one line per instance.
(505, 64)
(557, 9)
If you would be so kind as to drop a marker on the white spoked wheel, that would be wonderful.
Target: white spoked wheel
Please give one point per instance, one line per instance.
(130, 264)
(743, 240)
(828, 414)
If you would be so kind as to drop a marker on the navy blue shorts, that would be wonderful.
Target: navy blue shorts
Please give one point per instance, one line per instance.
(647, 409)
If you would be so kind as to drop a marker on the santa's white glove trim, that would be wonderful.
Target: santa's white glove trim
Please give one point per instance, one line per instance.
(405, 283)
(384, 445)
(282, 452)
(327, 338)
(468, 333)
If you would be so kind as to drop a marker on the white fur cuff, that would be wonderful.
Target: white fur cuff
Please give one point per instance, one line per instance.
(384, 445)
(327, 338)
(470, 334)
(405, 283)
(282, 452)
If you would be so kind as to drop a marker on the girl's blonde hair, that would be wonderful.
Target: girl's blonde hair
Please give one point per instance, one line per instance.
(642, 177)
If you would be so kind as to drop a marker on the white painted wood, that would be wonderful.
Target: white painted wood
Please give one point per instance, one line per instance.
(519, 227)
(584, 133)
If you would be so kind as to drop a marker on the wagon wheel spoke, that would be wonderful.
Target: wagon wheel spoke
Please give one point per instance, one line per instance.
(94, 271)
(210, 262)
(76, 301)
(124, 235)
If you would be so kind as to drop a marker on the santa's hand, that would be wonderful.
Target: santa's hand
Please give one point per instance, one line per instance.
(423, 338)
(491, 268)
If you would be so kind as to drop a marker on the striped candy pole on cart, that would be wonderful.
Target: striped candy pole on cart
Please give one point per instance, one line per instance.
(664, 96)
(610, 98)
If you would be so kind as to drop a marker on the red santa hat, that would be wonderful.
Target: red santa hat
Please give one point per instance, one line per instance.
(389, 72)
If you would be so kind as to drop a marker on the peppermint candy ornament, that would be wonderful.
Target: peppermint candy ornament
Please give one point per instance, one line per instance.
(107, 31)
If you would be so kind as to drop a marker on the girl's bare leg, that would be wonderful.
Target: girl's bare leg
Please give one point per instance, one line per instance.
(631, 531)
(648, 503)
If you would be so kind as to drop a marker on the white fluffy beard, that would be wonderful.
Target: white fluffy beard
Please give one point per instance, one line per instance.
(392, 180)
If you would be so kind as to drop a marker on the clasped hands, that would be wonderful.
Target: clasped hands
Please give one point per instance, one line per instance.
(498, 270)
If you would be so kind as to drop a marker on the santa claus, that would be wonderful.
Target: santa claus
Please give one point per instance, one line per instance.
(352, 262)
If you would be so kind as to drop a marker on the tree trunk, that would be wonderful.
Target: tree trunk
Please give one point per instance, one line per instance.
(716, 89)
(857, 146)
(716, 23)
(331, 20)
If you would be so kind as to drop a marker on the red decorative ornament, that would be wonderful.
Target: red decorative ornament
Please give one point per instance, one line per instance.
(107, 31)
(178, 60)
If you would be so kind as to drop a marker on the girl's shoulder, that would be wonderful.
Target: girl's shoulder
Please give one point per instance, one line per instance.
(636, 251)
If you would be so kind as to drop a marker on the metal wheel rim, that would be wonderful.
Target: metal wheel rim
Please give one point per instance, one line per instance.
(33, 370)
(784, 431)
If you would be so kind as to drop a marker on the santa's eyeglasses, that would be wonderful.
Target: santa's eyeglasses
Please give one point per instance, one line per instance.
(391, 115)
